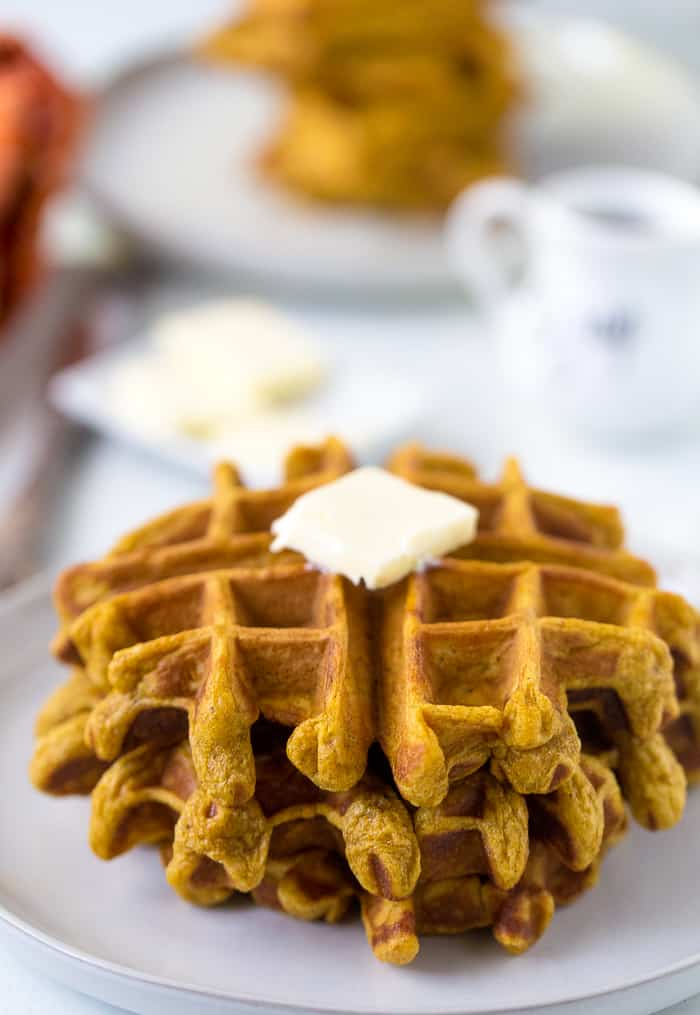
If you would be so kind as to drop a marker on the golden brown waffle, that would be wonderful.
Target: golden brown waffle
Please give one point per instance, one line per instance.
(230, 529)
(63, 763)
(683, 733)
(517, 522)
(374, 50)
(314, 885)
(293, 38)
(381, 154)
(151, 795)
(309, 853)
(481, 828)
(223, 648)
(228, 700)
(392, 104)
(519, 916)
(479, 661)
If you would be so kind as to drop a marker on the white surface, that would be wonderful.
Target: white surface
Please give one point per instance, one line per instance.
(118, 930)
(162, 160)
(372, 526)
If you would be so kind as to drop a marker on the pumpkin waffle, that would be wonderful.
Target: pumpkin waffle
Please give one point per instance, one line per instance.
(215, 651)
(445, 751)
(301, 38)
(481, 660)
(520, 523)
(382, 155)
(559, 834)
(517, 522)
(486, 856)
(478, 662)
(470, 67)
(313, 885)
(151, 795)
(391, 104)
(683, 733)
(231, 528)
(296, 644)
(63, 763)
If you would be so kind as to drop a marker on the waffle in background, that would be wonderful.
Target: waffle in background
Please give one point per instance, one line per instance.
(393, 104)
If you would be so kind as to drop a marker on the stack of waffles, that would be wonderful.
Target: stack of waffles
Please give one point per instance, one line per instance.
(456, 751)
(39, 122)
(395, 103)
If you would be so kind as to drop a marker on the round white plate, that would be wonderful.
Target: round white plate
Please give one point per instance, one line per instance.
(630, 947)
(172, 150)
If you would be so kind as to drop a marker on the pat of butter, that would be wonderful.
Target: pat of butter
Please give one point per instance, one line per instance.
(236, 354)
(213, 365)
(370, 525)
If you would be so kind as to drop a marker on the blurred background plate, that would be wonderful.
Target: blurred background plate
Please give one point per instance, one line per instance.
(172, 150)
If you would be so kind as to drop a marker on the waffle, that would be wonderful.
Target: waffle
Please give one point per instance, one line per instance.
(222, 649)
(295, 38)
(450, 752)
(481, 662)
(314, 885)
(230, 529)
(151, 795)
(486, 856)
(683, 733)
(470, 65)
(517, 522)
(63, 763)
(391, 104)
(559, 832)
(383, 154)
(520, 523)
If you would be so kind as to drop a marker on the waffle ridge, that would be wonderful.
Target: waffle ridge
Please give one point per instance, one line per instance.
(518, 522)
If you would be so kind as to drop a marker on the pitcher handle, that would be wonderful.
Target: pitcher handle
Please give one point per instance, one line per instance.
(489, 238)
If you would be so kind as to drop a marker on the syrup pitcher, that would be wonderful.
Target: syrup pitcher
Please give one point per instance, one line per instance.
(593, 280)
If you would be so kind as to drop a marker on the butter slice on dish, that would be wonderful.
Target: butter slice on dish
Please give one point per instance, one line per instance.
(211, 367)
(372, 526)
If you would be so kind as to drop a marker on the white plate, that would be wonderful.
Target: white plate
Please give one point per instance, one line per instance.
(629, 947)
(172, 150)
(357, 404)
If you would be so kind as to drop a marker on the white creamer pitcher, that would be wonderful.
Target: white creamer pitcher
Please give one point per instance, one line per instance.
(594, 275)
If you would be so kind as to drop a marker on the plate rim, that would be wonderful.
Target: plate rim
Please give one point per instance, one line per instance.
(37, 591)
(135, 978)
